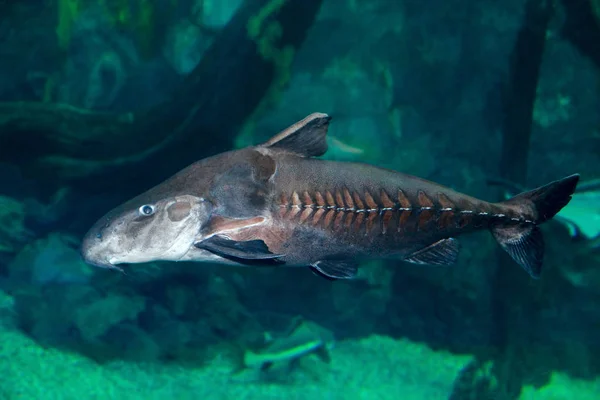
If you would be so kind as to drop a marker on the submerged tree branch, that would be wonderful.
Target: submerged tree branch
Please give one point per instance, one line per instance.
(60, 145)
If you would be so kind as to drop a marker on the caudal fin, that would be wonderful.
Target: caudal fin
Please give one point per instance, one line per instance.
(523, 241)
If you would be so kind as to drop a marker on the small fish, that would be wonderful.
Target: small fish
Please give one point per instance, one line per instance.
(581, 216)
(277, 204)
(304, 338)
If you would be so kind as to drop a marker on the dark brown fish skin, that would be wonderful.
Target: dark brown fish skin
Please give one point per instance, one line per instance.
(321, 208)
(277, 202)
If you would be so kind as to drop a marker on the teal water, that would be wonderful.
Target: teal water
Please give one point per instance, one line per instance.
(102, 100)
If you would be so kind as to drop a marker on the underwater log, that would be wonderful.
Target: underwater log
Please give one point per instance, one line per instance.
(582, 27)
(59, 136)
(58, 145)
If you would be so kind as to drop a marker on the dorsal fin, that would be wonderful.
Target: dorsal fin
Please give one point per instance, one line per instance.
(305, 138)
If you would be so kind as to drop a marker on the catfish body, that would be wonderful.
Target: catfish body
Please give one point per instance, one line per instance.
(276, 204)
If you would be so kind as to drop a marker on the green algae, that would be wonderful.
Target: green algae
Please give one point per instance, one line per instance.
(389, 369)
(563, 387)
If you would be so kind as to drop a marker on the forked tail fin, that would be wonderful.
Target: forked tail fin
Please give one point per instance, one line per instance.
(523, 241)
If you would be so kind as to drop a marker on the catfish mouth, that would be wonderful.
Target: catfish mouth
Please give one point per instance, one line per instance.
(115, 264)
(110, 263)
(120, 267)
(98, 262)
(90, 255)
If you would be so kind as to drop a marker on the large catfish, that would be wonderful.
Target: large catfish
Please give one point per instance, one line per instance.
(276, 204)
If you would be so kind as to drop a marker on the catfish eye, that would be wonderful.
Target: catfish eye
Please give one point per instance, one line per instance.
(146, 210)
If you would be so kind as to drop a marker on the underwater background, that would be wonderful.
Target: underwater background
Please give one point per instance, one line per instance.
(102, 99)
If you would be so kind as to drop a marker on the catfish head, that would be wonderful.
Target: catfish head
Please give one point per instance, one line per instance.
(217, 209)
(146, 229)
(172, 221)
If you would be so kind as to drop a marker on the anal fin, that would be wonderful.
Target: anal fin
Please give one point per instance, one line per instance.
(237, 250)
(442, 252)
(525, 244)
(335, 269)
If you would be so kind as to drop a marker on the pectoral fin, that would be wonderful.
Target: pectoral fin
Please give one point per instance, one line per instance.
(335, 269)
(237, 250)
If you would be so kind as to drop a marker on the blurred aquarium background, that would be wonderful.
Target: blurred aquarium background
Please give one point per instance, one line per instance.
(102, 99)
